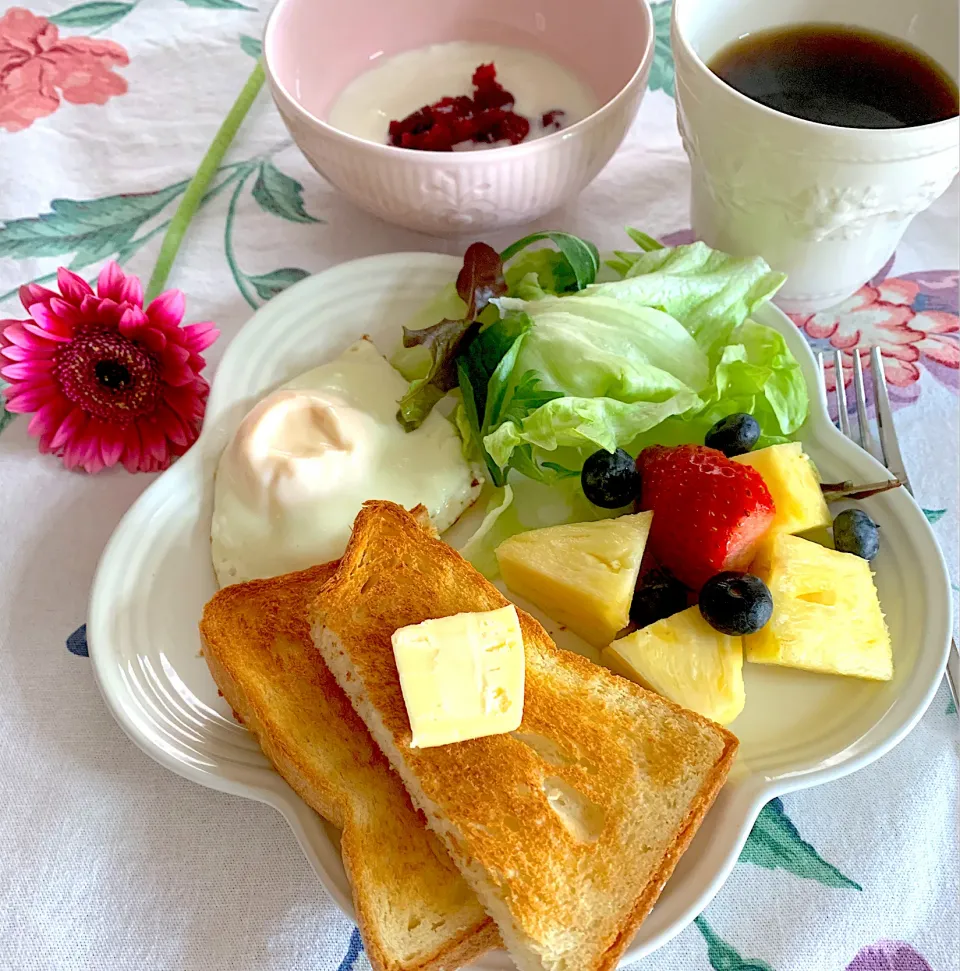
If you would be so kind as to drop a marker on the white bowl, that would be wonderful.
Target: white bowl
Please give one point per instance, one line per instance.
(313, 48)
(797, 730)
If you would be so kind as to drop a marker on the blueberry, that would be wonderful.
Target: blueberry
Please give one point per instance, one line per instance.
(855, 532)
(610, 479)
(658, 595)
(734, 435)
(735, 603)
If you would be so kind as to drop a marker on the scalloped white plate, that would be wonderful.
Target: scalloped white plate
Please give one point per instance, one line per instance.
(155, 575)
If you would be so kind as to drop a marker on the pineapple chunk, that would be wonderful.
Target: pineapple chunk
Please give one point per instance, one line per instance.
(684, 659)
(826, 613)
(582, 575)
(794, 486)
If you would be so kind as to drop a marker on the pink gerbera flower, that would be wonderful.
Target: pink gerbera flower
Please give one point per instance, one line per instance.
(106, 379)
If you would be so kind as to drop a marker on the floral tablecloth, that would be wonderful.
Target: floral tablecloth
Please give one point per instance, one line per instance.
(109, 861)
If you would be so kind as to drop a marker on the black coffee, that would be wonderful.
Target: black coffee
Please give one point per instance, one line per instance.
(839, 75)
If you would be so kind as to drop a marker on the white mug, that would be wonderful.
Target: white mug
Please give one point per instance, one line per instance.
(825, 205)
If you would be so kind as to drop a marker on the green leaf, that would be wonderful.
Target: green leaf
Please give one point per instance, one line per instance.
(492, 357)
(582, 256)
(268, 285)
(279, 194)
(91, 229)
(414, 362)
(584, 424)
(934, 515)
(100, 13)
(647, 243)
(661, 71)
(662, 353)
(620, 369)
(709, 291)
(527, 396)
(218, 4)
(539, 273)
(480, 279)
(482, 371)
(443, 340)
(562, 472)
(775, 843)
(251, 45)
(623, 261)
(481, 546)
(722, 956)
(470, 412)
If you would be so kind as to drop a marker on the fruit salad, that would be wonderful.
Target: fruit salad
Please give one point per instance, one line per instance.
(729, 536)
(720, 575)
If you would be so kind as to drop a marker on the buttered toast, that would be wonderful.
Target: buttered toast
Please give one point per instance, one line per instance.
(568, 828)
(414, 910)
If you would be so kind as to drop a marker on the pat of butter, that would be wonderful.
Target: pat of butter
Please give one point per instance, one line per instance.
(461, 676)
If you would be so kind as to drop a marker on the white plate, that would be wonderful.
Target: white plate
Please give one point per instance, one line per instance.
(155, 575)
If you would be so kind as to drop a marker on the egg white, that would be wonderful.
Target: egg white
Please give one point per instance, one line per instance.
(261, 529)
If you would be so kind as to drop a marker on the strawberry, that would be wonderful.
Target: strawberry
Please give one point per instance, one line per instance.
(709, 514)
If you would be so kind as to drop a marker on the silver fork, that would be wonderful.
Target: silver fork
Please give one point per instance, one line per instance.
(886, 450)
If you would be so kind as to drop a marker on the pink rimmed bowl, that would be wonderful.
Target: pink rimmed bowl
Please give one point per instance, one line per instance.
(314, 48)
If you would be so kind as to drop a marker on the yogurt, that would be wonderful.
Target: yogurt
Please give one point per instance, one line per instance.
(398, 85)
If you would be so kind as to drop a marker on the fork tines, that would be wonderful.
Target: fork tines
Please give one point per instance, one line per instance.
(886, 449)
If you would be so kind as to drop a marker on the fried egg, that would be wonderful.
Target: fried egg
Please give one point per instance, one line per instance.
(308, 455)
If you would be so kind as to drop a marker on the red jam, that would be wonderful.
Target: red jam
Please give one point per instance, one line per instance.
(552, 120)
(484, 118)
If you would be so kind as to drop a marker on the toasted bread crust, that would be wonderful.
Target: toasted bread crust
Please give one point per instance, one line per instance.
(568, 886)
(258, 649)
(677, 848)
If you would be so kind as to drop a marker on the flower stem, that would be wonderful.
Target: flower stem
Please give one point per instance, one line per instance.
(200, 181)
(235, 171)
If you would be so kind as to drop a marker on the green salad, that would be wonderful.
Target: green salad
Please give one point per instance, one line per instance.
(556, 354)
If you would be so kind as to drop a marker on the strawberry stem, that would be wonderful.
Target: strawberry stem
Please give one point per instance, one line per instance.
(834, 491)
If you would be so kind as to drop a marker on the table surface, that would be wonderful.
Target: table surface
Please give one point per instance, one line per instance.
(108, 860)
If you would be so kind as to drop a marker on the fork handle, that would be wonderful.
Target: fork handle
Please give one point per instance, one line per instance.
(893, 460)
(953, 673)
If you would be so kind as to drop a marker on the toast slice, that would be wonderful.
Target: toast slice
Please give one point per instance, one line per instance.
(414, 910)
(568, 828)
